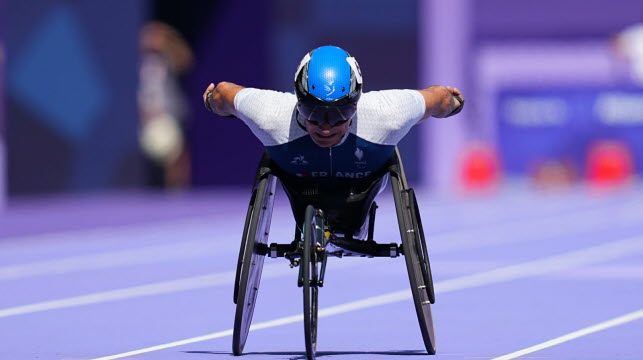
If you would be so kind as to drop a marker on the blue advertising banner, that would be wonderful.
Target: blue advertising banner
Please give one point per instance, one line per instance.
(80, 130)
(562, 124)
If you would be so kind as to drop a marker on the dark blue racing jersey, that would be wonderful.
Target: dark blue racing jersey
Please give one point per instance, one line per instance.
(381, 121)
(353, 158)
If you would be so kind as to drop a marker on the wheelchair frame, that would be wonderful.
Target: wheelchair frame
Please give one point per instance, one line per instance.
(311, 252)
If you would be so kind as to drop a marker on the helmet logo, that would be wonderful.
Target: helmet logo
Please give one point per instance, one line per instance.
(330, 89)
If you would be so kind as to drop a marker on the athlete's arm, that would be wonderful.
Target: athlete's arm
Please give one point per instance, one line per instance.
(220, 98)
(441, 101)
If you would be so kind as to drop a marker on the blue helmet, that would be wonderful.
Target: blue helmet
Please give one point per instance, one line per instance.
(328, 84)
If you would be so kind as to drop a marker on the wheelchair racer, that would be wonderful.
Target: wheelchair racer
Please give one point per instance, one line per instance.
(328, 131)
(329, 128)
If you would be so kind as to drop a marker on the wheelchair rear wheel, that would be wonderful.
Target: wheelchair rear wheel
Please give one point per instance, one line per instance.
(416, 258)
(420, 243)
(251, 260)
(313, 235)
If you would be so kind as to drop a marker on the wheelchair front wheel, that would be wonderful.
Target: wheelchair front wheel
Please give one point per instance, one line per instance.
(313, 235)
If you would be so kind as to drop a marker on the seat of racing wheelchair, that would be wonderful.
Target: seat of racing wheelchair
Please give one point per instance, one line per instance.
(346, 203)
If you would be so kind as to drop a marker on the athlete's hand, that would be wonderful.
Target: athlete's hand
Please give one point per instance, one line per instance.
(441, 101)
(457, 101)
(207, 97)
(456, 94)
(219, 99)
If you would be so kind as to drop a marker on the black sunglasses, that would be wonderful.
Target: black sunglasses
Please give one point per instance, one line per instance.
(332, 115)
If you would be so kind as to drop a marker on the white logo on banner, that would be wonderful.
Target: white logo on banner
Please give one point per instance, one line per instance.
(618, 108)
(536, 111)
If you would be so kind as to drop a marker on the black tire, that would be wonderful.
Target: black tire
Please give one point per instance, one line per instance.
(251, 260)
(420, 243)
(312, 232)
(242, 246)
(413, 256)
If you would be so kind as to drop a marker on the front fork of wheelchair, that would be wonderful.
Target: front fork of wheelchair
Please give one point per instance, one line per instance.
(320, 237)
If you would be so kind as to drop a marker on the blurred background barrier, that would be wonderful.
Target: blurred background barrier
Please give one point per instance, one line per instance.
(3, 156)
(567, 126)
(71, 95)
(108, 95)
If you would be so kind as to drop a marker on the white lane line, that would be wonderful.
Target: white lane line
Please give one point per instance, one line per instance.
(105, 231)
(575, 335)
(445, 242)
(205, 227)
(172, 344)
(605, 272)
(137, 256)
(596, 254)
(159, 288)
(581, 221)
(164, 240)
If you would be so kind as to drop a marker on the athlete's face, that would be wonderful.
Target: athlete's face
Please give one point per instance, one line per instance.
(326, 135)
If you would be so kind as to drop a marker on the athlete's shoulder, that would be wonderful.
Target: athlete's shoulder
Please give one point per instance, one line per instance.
(384, 117)
(269, 114)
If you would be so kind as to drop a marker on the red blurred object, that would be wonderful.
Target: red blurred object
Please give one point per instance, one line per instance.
(609, 163)
(480, 167)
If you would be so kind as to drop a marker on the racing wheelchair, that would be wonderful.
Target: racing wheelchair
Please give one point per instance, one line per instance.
(341, 225)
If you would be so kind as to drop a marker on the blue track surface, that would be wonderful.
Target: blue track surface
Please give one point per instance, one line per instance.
(106, 276)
